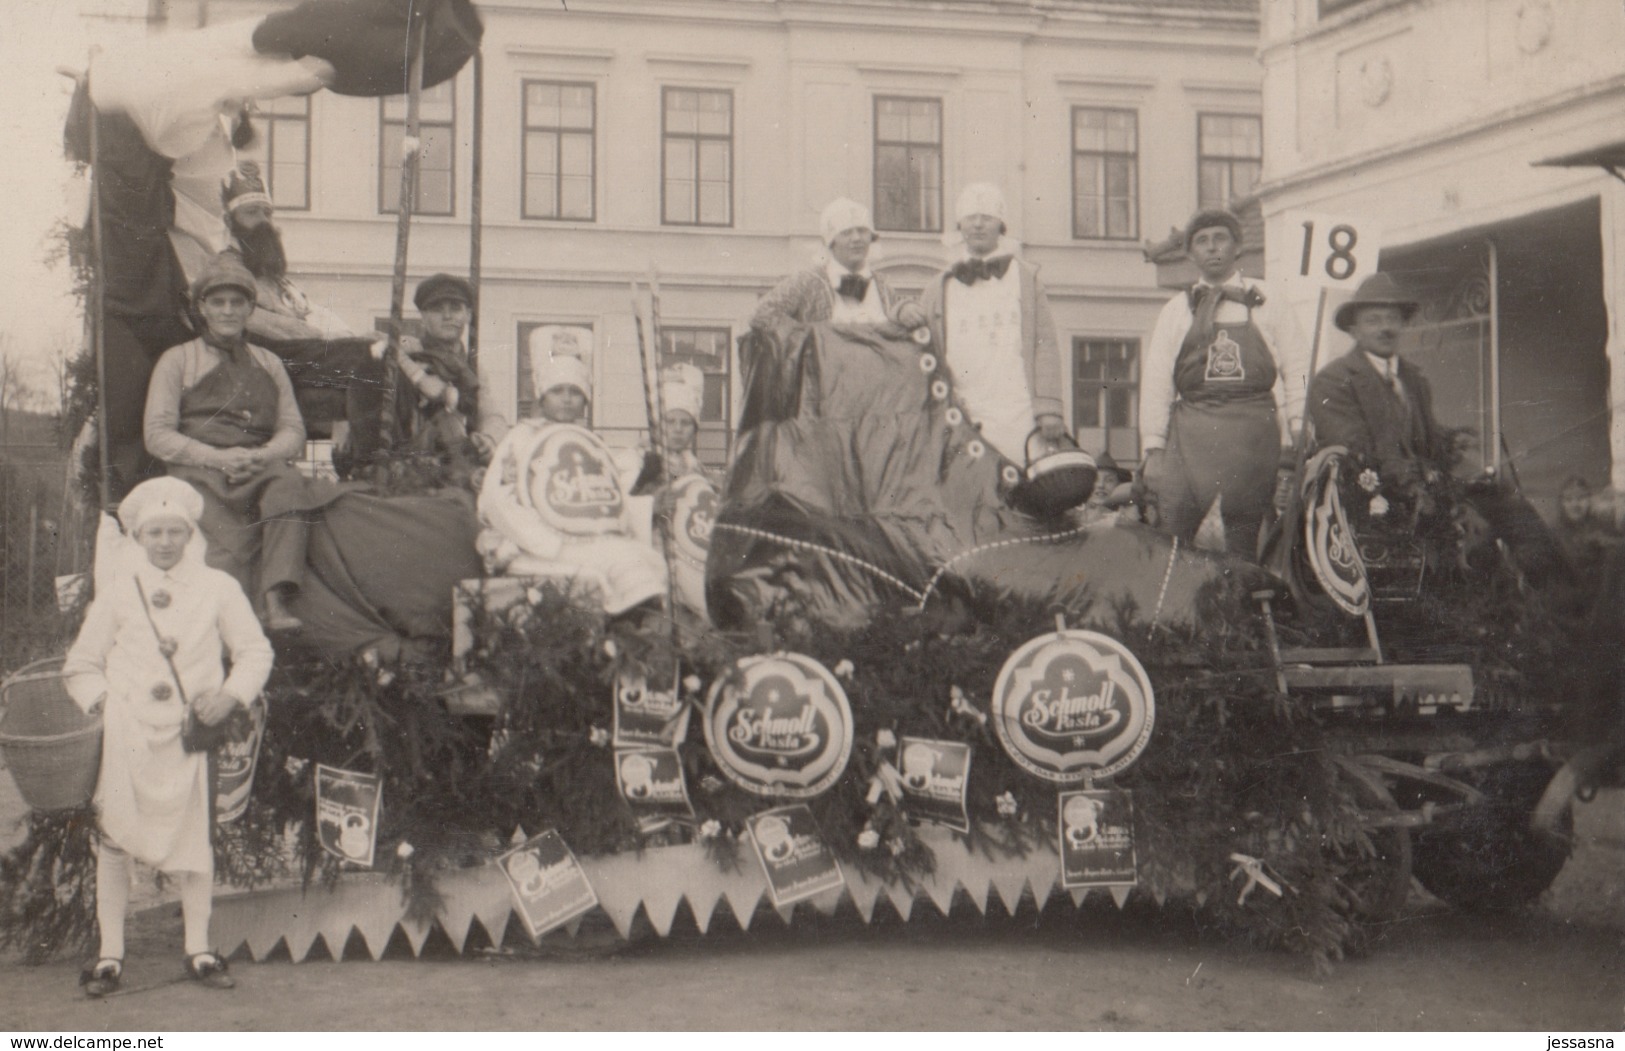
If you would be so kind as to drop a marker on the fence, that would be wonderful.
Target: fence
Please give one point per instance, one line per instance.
(34, 525)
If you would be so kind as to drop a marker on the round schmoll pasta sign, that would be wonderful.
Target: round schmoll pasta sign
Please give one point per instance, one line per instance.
(1073, 704)
(572, 483)
(781, 727)
(694, 512)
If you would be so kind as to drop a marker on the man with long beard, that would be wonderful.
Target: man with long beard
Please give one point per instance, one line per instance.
(327, 361)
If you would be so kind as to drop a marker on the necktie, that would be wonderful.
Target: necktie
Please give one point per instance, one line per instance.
(970, 271)
(853, 286)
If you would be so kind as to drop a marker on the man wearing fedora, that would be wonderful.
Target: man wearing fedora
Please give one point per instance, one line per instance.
(1371, 400)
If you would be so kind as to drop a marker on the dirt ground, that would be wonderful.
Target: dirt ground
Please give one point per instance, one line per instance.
(1559, 966)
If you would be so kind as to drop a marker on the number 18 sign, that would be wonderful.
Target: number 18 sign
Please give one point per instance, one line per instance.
(1335, 251)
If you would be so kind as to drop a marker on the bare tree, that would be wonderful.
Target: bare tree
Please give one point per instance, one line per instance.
(13, 391)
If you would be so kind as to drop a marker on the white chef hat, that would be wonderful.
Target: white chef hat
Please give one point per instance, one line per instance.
(682, 386)
(980, 198)
(557, 358)
(160, 498)
(843, 214)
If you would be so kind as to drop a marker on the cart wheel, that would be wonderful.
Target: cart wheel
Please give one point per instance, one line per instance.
(1377, 873)
(1487, 857)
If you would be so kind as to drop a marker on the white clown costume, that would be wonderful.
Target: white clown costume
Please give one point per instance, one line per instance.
(152, 795)
(555, 503)
(689, 497)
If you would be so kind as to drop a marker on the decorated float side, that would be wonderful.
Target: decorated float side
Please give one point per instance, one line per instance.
(890, 670)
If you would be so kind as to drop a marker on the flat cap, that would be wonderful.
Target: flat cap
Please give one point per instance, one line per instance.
(436, 287)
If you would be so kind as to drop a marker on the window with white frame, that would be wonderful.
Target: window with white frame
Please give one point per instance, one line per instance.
(1105, 173)
(1229, 157)
(1106, 396)
(437, 184)
(908, 164)
(696, 157)
(285, 129)
(559, 151)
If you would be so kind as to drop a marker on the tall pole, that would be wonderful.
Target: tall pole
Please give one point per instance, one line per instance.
(411, 150)
(1493, 265)
(98, 307)
(476, 210)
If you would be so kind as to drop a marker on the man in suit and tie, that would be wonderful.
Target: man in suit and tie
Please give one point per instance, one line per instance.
(1371, 400)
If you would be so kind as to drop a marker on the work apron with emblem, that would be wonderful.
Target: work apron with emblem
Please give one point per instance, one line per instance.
(234, 405)
(1223, 434)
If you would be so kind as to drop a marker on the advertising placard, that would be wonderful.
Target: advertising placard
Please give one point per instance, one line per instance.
(935, 776)
(648, 716)
(651, 781)
(234, 763)
(549, 886)
(1097, 838)
(793, 855)
(347, 803)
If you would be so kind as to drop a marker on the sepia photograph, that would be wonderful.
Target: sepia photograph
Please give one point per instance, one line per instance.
(784, 516)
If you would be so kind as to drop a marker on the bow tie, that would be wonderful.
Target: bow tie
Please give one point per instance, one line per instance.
(853, 286)
(971, 271)
(1199, 293)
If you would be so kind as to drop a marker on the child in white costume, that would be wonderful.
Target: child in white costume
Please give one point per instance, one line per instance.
(152, 795)
(555, 499)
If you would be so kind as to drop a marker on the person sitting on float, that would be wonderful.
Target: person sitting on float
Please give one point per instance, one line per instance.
(221, 415)
(555, 500)
(682, 397)
(152, 645)
(685, 488)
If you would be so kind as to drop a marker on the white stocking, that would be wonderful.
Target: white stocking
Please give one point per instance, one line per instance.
(197, 900)
(114, 870)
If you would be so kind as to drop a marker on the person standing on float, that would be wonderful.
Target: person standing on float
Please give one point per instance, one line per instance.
(989, 313)
(1221, 394)
(152, 644)
(842, 288)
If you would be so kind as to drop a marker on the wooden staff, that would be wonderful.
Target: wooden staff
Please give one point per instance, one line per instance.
(653, 405)
(643, 362)
(98, 299)
(417, 30)
(476, 212)
(657, 436)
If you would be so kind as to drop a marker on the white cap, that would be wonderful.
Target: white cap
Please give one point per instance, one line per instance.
(682, 386)
(558, 358)
(980, 198)
(562, 372)
(843, 214)
(160, 498)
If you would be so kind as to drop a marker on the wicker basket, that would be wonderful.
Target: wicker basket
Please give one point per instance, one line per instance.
(52, 749)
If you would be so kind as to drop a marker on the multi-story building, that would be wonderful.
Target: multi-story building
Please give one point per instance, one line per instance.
(1483, 137)
(703, 137)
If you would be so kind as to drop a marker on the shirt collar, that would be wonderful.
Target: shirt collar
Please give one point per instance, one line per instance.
(835, 271)
(1381, 363)
(1235, 280)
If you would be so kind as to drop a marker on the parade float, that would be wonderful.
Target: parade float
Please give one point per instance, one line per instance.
(903, 693)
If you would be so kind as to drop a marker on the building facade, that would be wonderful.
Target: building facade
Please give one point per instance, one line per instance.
(1439, 122)
(701, 138)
